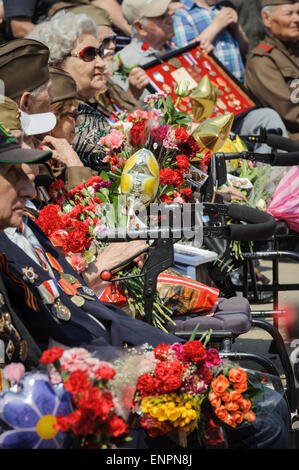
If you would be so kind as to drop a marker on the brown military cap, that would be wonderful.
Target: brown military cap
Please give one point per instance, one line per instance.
(9, 113)
(267, 3)
(99, 15)
(23, 66)
(63, 85)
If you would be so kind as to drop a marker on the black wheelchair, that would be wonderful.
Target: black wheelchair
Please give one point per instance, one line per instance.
(233, 316)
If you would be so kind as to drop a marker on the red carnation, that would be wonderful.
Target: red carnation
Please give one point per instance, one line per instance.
(181, 134)
(49, 220)
(105, 372)
(206, 375)
(161, 351)
(77, 382)
(94, 180)
(171, 177)
(169, 375)
(84, 423)
(207, 157)
(173, 383)
(182, 162)
(190, 147)
(186, 192)
(117, 426)
(78, 238)
(145, 46)
(77, 190)
(138, 133)
(51, 355)
(194, 351)
(165, 199)
(64, 423)
(147, 385)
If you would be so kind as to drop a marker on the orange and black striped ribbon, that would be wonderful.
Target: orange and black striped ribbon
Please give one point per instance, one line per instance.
(30, 299)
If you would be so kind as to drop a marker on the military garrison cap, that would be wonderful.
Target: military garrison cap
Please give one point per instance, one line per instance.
(267, 3)
(63, 85)
(23, 66)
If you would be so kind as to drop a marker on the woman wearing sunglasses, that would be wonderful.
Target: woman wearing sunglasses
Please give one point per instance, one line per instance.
(75, 48)
(121, 94)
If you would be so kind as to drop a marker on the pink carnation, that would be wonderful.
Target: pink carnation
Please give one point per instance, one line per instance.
(113, 141)
(14, 372)
(178, 349)
(212, 358)
(138, 114)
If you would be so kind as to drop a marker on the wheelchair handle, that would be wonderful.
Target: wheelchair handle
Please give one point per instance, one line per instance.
(260, 225)
(272, 139)
(273, 159)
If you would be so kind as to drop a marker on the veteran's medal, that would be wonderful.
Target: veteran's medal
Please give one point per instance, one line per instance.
(78, 300)
(69, 277)
(62, 312)
(29, 274)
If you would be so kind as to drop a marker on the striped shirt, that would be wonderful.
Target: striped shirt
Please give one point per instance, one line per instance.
(192, 20)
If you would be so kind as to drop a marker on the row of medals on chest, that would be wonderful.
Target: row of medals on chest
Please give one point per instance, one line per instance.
(70, 285)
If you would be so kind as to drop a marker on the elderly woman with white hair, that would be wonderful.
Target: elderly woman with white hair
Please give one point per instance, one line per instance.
(74, 47)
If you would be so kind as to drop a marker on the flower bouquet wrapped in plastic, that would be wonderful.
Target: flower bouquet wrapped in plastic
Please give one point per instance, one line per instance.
(181, 389)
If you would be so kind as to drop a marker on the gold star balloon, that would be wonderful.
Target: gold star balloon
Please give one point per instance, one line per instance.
(213, 132)
(203, 99)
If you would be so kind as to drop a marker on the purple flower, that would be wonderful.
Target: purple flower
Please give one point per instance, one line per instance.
(102, 184)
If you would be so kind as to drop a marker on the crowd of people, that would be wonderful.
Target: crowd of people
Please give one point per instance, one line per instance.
(61, 92)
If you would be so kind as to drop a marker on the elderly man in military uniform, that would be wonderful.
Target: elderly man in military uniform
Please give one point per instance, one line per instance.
(272, 71)
(16, 175)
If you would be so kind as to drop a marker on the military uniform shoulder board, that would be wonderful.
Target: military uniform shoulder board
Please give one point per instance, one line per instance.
(263, 49)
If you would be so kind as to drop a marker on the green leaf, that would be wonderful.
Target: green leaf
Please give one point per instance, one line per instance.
(194, 333)
(104, 176)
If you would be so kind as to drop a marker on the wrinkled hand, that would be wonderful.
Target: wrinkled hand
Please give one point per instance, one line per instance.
(232, 194)
(138, 81)
(62, 151)
(227, 16)
(204, 43)
(113, 255)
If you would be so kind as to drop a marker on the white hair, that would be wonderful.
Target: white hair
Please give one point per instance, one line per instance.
(40, 89)
(61, 32)
(268, 9)
(134, 32)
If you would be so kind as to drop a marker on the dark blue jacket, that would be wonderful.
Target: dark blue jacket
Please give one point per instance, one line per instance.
(81, 329)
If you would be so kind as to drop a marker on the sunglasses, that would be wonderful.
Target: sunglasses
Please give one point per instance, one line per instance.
(106, 41)
(88, 54)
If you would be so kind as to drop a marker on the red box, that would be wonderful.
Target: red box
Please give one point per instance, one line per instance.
(231, 95)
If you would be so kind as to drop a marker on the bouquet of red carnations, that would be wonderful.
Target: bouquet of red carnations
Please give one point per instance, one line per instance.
(95, 422)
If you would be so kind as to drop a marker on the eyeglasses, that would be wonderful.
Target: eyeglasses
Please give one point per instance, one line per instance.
(72, 114)
(106, 41)
(88, 54)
